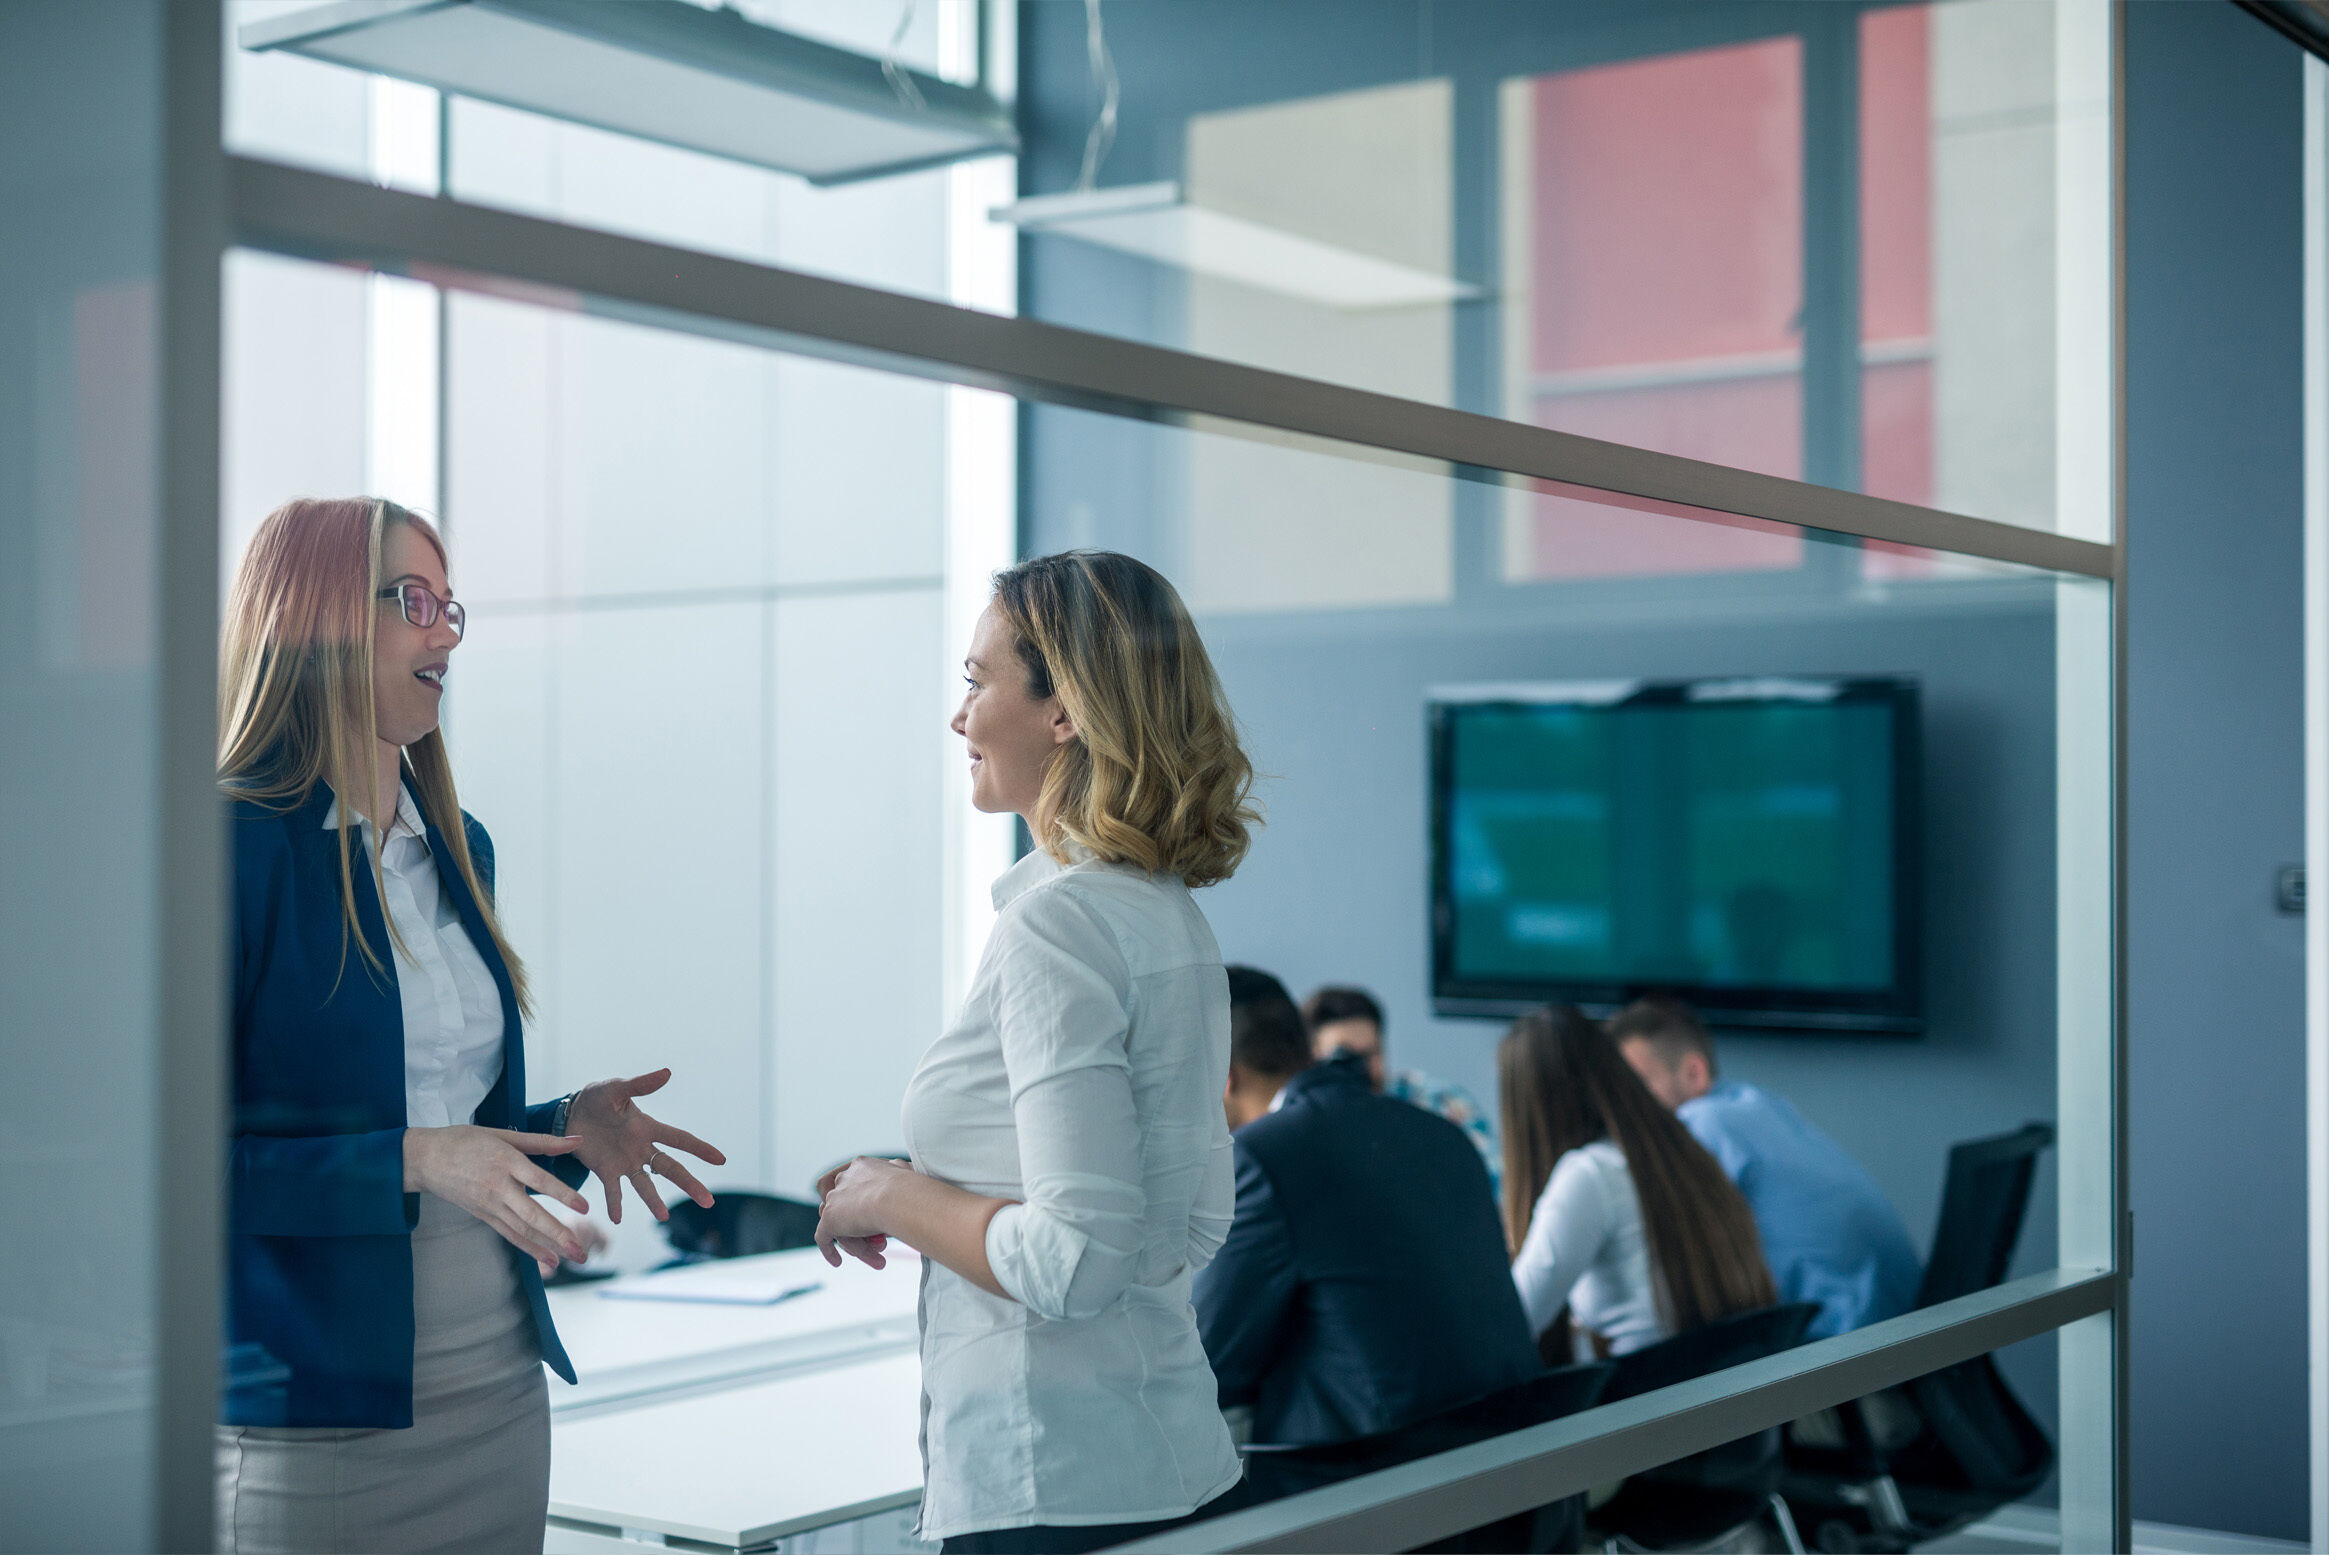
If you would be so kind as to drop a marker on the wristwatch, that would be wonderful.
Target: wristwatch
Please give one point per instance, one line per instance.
(558, 1115)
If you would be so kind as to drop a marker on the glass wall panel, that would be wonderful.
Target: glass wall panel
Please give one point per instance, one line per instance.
(85, 780)
(1586, 866)
(1848, 243)
(701, 704)
(716, 595)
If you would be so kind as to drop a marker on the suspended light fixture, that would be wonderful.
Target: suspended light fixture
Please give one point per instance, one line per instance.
(1157, 221)
(705, 80)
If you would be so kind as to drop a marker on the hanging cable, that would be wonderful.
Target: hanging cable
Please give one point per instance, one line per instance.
(1103, 65)
(892, 70)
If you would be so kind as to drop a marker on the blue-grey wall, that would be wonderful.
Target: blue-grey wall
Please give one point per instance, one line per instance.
(2215, 785)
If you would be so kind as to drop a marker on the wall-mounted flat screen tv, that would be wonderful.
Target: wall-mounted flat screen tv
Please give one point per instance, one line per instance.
(1748, 845)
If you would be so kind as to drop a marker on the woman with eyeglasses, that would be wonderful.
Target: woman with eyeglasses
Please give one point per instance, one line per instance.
(386, 1325)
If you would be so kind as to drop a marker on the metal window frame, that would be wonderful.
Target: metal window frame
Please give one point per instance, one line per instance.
(190, 1059)
(318, 216)
(1431, 1498)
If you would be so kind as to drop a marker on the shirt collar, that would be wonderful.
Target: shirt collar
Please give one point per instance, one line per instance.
(1023, 877)
(1343, 1069)
(407, 822)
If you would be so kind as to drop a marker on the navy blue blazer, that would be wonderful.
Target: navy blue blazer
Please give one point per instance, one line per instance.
(1363, 1285)
(319, 1284)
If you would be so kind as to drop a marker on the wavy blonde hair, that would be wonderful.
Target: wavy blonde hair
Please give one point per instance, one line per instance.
(295, 692)
(1155, 776)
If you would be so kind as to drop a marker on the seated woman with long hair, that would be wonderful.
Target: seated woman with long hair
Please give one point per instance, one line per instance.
(1616, 1214)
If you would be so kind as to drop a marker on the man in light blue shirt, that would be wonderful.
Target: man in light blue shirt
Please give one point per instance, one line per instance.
(1829, 1234)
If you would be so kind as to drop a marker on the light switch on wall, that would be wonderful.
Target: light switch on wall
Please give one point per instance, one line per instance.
(2288, 889)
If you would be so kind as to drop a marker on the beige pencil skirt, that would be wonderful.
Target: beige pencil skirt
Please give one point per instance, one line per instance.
(473, 1470)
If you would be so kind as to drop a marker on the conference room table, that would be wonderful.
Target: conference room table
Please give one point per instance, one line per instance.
(767, 1404)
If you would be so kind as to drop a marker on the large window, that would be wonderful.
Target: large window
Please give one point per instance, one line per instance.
(1842, 243)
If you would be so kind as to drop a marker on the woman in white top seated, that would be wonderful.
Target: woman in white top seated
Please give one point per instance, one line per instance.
(1621, 1221)
(1071, 1162)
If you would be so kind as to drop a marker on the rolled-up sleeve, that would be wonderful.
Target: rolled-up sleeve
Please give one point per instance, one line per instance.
(1063, 1010)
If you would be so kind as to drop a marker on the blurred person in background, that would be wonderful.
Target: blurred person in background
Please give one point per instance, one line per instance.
(1364, 1284)
(1343, 1019)
(1829, 1234)
(1624, 1230)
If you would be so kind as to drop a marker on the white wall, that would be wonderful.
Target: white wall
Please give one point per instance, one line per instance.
(706, 586)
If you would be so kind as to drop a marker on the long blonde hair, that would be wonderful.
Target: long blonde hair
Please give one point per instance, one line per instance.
(1155, 776)
(295, 692)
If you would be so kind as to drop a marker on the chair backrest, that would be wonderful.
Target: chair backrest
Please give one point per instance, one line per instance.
(740, 1224)
(1728, 1341)
(1982, 1206)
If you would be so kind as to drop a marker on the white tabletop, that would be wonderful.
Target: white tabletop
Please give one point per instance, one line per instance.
(750, 1462)
(625, 1350)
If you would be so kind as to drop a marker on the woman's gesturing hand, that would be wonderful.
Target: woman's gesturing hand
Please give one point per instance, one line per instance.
(621, 1141)
(849, 1219)
(485, 1171)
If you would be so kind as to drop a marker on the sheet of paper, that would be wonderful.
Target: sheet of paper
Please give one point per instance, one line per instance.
(743, 1282)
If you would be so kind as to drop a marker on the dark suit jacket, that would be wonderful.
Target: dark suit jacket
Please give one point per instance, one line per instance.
(319, 1248)
(1364, 1284)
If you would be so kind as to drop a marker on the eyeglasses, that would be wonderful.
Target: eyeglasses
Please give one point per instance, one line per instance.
(422, 607)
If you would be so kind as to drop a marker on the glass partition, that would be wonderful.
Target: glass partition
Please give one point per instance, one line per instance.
(702, 700)
(107, 860)
(1844, 243)
(1345, 597)
(717, 595)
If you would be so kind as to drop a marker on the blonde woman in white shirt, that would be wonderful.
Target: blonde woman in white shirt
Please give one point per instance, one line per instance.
(1071, 1163)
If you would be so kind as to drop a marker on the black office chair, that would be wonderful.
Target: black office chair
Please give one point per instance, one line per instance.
(1713, 1495)
(739, 1225)
(1275, 1469)
(1960, 1444)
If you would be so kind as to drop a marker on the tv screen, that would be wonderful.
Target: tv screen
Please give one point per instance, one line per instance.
(1748, 845)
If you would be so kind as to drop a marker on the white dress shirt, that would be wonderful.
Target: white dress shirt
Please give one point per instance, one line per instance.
(452, 1008)
(1585, 1247)
(1082, 1080)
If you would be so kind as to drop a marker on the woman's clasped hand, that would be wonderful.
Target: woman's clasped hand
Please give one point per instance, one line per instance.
(849, 1204)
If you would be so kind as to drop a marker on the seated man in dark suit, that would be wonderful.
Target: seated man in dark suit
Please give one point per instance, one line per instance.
(1365, 1283)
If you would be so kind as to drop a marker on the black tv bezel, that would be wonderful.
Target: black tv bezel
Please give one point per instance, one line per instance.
(1895, 1011)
